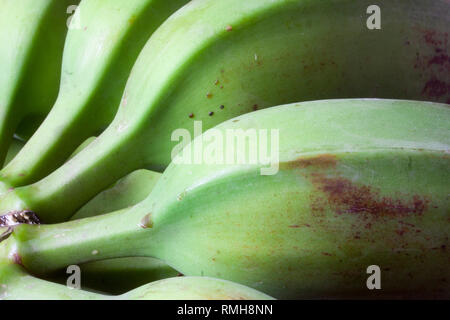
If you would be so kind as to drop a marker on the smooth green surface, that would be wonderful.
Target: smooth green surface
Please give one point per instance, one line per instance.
(32, 34)
(275, 52)
(98, 57)
(126, 192)
(361, 182)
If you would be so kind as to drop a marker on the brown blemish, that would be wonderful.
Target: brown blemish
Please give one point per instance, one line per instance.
(323, 161)
(17, 259)
(326, 254)
(209, 95)
(229, 28)
(216, 82)
(222, 107)
(191, 115)
(255, 107)
(439, 59)
(211, 114)
(347, 197)
(132, 19)
(18, 217)
(435, 66)
(430, 37)
(294, 226)
(435, 88)
(146, 222)
(401, 232)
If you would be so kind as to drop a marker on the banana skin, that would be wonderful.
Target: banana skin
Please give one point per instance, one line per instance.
(214, 60)
(361, 182)
(32, 34)
(99, 53)
(16, 284)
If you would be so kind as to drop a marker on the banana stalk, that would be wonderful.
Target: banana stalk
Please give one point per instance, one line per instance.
(120, 275)
(32, 34)
(99, 53)
(115, 276)
(214, 60)
(360, 182)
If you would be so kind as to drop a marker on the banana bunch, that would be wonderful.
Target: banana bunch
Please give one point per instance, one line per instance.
(312, 195)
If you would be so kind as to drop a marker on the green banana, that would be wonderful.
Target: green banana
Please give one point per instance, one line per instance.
(98, 57)
(16, 284)
(360, 182)
(32, 36)
(213, 60)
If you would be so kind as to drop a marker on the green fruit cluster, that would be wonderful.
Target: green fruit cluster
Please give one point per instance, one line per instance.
(359, 139)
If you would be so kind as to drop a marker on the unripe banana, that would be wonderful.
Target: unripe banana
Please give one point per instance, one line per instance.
(213, 60)
(360, 183)
(16, 284)
(98, 56)
(32, 34)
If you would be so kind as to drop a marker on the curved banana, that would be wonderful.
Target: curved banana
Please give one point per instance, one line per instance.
(16, 284)
(98, 56)
(32, 34)
(359, 183)
(213, 60)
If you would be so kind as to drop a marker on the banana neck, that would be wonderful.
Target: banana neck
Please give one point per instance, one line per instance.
(46, 248)
(57, 197)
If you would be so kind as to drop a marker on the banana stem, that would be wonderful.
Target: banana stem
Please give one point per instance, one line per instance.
(58, 196)
(47, 248)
